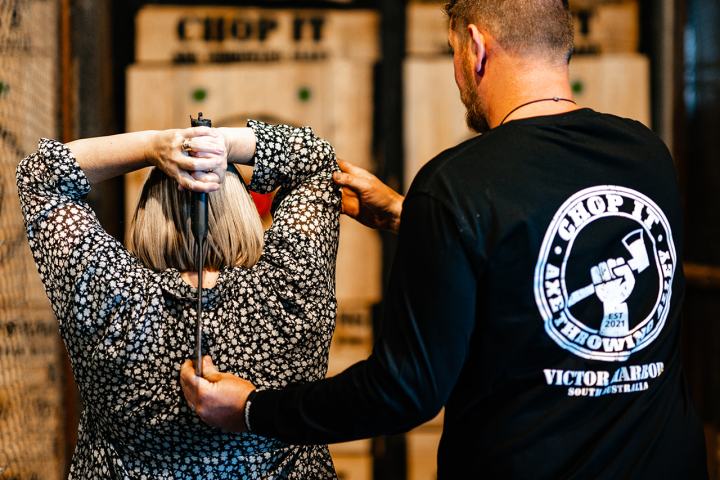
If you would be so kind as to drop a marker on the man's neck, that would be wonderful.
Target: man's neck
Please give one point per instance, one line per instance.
(520, 84)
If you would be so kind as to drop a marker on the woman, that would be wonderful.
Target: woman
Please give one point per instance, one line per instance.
(128, 320)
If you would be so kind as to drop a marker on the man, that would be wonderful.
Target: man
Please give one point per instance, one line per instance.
(536, 289)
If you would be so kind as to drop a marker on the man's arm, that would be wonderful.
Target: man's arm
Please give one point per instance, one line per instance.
(429, 318)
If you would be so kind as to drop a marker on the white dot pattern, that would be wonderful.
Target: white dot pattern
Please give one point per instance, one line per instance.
(128, 329)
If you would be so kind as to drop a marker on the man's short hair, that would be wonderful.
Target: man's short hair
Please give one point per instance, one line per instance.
(523, 27)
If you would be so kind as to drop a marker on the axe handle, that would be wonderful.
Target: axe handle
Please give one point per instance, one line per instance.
(581, 294)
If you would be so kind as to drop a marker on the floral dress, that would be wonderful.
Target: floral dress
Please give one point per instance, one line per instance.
(128, 329)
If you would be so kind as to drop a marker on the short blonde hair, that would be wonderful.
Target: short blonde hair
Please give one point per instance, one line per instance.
(160, 233)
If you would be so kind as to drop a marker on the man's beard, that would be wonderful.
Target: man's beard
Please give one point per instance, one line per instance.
(475, 116)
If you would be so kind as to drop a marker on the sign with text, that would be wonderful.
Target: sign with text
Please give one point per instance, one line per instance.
(226, 35)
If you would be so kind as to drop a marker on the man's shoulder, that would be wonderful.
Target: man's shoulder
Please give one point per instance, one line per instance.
(448, 165)
(475, 158)
(627, 124)
(568, 144)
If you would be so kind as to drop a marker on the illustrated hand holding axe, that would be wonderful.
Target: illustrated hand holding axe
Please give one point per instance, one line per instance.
(613, 280)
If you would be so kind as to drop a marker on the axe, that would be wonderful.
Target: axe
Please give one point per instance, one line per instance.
(638, 262)
(199, 227)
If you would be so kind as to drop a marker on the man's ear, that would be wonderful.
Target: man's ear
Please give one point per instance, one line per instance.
(478, 48)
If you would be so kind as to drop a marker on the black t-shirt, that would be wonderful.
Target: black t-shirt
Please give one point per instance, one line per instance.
(536, 293)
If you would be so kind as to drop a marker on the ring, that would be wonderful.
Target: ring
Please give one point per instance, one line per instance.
(186, 145)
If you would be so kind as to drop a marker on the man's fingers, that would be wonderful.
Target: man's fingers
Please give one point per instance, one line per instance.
(187, 372)
(210, 371)
(195, 389)
(350, 204)
(348, 167)
(212, 377)
(351, 181)
(341, 179)
(188, 383)
(208, 363)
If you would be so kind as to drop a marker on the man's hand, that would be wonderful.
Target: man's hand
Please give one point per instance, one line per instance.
(217, 398)
(195, 157)
(368, 200)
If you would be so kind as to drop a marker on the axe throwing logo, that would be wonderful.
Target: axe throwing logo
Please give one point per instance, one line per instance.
(603, 279)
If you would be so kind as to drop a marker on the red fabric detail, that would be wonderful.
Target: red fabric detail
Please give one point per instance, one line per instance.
(263, 201)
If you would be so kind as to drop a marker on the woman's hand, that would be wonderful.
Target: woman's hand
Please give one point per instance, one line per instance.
(195, 157)
(240, 144)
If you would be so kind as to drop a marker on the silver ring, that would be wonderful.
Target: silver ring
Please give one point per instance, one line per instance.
(186, 145)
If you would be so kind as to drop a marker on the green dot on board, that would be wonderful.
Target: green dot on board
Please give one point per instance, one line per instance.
(578, 87)
(304, 94)
(199, 94)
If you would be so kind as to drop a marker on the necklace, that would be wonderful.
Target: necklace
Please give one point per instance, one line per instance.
(553, 99)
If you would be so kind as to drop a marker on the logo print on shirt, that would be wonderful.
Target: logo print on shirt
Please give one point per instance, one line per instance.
(603, 279)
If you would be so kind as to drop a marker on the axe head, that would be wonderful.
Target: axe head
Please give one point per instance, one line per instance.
(635, 245)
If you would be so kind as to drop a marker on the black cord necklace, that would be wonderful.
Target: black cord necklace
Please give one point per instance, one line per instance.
(553, 99)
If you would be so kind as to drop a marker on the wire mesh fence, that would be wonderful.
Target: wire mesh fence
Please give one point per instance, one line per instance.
(31, 415)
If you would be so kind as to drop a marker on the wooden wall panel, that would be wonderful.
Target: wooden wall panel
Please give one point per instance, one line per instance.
(606, 27)
(352, 467)
(613, 83)
(427, 29)
(422, 446)
(434, 114)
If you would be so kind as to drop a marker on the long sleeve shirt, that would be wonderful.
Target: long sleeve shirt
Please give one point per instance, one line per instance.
(128, 329)
(536, 293)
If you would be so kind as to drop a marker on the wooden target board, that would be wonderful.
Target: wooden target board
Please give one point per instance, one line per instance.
(294, 93)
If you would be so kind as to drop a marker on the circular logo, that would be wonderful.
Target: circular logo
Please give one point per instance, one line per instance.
(603, 280)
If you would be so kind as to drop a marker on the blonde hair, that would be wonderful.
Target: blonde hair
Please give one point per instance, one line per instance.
(160, 233)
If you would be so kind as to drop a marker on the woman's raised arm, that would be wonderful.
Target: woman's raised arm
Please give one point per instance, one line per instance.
(240, 144)
(102, 158)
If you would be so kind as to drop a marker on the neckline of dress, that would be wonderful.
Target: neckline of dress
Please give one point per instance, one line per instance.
(174, 284)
